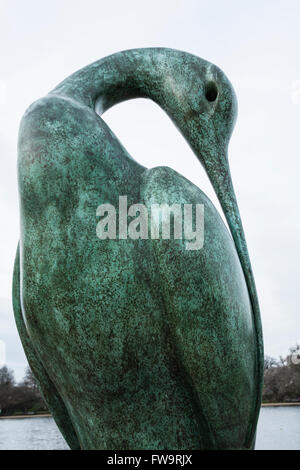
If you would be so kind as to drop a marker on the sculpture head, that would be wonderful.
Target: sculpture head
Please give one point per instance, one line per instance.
(201, 101)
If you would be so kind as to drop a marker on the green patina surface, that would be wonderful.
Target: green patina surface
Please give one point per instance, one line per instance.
(136, 344)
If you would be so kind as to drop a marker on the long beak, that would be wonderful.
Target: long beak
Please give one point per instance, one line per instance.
(219, 175)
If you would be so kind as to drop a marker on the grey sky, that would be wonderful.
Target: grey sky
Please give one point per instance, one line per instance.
(257, 46)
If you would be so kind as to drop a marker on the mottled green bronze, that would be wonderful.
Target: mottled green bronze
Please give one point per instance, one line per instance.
(135, 344)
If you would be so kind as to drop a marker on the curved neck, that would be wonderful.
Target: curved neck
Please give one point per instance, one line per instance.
(136, 73)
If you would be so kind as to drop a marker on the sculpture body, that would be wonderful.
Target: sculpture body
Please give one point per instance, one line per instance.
(136, 344)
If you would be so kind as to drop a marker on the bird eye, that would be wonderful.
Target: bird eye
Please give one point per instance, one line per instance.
(211, 91)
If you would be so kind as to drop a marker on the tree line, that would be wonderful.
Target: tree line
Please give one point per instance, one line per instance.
(282, 378)
(281, 384)
(19, 398)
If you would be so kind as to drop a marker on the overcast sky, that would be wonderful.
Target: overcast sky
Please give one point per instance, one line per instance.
(255, 43)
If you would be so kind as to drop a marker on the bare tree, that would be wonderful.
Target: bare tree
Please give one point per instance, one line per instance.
(29, 380)
(270, 362)
(6, 376)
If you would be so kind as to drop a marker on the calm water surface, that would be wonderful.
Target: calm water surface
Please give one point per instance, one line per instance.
(278, 428)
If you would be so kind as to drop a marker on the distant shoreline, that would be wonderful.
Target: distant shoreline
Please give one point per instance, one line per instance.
(280, 404)
(48, 415)
(41, 415)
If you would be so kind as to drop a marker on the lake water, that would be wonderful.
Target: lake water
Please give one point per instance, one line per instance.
(278, 428)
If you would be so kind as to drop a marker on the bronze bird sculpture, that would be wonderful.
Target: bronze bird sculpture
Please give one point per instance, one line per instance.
(136, 344)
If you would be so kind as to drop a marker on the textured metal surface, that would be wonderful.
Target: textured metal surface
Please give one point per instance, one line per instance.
(136, 344)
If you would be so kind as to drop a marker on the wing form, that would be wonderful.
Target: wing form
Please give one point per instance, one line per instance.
(54, 401)
(209, 314)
